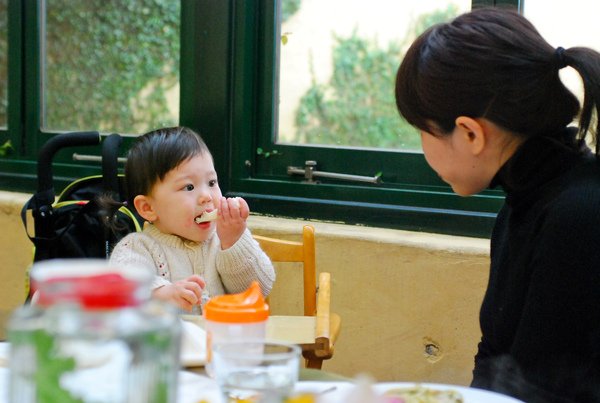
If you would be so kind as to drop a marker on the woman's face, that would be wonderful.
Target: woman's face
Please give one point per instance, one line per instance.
(450, 157)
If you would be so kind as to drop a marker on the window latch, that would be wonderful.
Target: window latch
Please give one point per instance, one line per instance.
(310, 172)
(94, 158)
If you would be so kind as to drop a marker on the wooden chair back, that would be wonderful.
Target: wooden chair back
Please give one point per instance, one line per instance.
(316, 300)
(280, 250)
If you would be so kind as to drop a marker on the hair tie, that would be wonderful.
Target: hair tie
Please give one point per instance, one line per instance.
(559, 57)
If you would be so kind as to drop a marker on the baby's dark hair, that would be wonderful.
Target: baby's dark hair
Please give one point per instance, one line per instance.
(149, 159)
(156, 153)
(492, 63)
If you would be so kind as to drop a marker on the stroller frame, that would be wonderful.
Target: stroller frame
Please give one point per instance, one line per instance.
(63, 225)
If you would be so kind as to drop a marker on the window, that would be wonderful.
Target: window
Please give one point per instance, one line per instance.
(584, 32)
(231, 77)
(3, 63)
(109, 66)
(323, 121)
(83, 65)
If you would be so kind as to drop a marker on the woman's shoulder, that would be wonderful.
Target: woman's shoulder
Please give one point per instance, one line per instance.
(580, 187)
(576, 204)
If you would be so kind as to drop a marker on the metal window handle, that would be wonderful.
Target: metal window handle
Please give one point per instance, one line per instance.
(309, 171)
(94, 158)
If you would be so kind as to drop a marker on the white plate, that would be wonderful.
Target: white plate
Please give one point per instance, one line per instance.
(190, 360)
(3, 385)
(4, 352)
(193, 345)
(346, 392)
(194, 388)
(470, 395)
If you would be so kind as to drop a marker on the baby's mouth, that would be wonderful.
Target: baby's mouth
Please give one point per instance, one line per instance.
(206, 216)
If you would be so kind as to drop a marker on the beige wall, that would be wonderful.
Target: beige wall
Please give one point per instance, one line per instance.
(409, 302)
(16, 254)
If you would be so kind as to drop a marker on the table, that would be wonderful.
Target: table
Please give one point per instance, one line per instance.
(301, 330)
(193, 388)
(196, 388)
(290, 329)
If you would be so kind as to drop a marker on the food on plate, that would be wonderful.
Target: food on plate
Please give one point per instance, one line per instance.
(301, 398)
(206, 216)
(421, 394)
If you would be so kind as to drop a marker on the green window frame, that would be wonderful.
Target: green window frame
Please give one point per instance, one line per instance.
(412, 196)
(228, 79)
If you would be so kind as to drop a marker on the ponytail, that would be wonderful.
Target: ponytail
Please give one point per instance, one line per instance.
(587, 63)
(492, 63)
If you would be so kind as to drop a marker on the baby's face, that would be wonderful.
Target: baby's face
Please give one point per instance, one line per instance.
(184, 194)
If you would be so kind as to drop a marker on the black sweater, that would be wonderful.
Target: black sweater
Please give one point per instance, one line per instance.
(540, 318)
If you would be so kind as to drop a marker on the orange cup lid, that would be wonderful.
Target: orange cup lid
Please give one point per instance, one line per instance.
(246, 307)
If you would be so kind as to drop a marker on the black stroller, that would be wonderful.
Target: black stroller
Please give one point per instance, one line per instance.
(74, 225)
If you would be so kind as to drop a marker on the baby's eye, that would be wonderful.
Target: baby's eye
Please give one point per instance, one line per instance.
(189, 187)
(212, 183)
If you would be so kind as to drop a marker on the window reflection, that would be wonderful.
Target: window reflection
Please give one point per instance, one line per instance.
(110, 65)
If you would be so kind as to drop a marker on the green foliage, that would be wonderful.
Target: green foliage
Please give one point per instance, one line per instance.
(424, 21)
(267, 154)
(356, 107)
(289, 8)
(109, 64)
(6, 148)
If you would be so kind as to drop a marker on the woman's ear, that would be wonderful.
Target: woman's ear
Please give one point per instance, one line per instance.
(472, 133)
(144, 208)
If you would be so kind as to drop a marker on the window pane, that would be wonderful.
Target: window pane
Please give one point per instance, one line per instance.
(3, 63)
(338, 60)
(110, 65)
(566, 24)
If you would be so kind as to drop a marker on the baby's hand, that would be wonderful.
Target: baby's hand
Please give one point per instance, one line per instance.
(184, 293)
(231, 223)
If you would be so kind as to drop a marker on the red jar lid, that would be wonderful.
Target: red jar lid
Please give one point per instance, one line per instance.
(90, 283)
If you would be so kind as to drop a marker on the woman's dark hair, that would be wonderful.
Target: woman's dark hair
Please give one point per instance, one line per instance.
(492, 63)
(156, 153)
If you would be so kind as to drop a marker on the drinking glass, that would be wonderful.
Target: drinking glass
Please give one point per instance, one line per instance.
(256, 371)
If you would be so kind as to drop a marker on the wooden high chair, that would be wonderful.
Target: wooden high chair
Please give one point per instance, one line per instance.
(317, 301)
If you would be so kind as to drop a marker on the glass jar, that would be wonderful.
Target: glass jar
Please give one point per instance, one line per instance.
(93, 334)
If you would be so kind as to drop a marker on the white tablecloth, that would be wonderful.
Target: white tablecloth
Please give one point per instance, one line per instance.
(194, 388)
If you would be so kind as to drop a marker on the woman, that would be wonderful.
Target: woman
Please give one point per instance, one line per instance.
(485, 93)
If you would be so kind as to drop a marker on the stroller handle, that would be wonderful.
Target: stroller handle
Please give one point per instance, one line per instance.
(73, 139)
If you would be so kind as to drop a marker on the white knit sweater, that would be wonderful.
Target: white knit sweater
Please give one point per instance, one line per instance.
(172, 258)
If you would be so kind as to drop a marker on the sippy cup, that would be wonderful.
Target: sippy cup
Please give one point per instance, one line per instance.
(235, 317)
